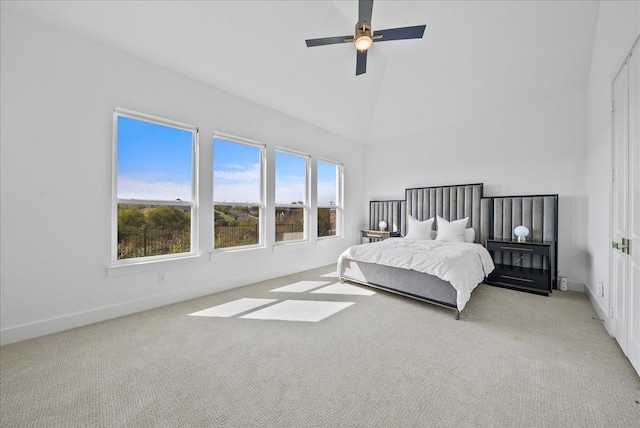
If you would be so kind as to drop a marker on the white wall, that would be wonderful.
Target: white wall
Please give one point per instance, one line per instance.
(58, 94)
(618, 27)
(537, 147)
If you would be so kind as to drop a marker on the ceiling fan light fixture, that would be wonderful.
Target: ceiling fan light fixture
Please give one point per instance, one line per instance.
(363, 42)
(362, 38)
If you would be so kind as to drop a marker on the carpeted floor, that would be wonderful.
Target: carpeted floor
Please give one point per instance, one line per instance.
(513, 360)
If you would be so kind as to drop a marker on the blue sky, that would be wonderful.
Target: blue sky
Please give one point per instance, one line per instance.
(154, 162)
(327, 177)
(236, 172)
(236, 175)
(290, 178)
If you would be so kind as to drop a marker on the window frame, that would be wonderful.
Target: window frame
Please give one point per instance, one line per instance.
(339, 203)
(262, 204)
(307, 196)
(115, 201)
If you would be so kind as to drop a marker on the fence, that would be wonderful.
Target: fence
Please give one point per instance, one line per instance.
(235, 236)
(248, 234)
(148, 241)
(289, 231)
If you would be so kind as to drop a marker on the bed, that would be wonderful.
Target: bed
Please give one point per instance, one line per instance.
(437, 270)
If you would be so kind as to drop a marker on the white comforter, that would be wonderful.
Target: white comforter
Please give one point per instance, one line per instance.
(463, 264)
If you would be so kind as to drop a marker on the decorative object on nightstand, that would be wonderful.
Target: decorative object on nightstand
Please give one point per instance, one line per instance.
(382, 225)
(521, 232)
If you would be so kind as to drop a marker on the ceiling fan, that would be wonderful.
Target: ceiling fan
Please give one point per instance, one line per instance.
(364, 37)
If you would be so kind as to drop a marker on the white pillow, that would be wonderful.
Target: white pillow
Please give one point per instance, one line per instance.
(470, 235)
(419, 229)
(451, 231)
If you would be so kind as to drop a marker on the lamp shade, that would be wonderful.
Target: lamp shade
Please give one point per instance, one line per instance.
(382, 225)
(521, 232)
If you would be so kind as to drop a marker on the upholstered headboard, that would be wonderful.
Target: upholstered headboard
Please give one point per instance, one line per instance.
(450, 202)
(391, 211)
(539, 213)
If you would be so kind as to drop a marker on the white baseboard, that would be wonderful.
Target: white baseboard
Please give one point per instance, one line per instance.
(55, 325)
(576, 286)
(66, 322)
(599, 312)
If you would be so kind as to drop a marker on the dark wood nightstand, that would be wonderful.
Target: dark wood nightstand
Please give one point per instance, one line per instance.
(517, 277)
(375, 235)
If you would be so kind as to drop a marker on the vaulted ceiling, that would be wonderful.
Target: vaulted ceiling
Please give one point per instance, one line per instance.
(476, 57)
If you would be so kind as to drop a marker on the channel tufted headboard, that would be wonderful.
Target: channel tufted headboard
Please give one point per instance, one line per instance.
(539, 213)
(391, 211)
(491, 217)
(449, 202)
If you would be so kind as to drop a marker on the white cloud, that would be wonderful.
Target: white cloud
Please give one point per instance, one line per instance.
(237, 193)
(139, 188)
(237, 183)
(289, 188)
(236, 174)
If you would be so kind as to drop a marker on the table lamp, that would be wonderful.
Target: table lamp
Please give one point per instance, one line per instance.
(521, 232)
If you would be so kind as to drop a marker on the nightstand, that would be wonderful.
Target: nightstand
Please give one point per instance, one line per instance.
(375, 235)
(517, 277)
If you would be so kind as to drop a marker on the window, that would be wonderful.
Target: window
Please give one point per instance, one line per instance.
(291, 196)
(154, 196)
(329, 198)
(237, 193)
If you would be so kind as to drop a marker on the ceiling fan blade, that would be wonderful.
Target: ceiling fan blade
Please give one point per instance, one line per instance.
(399, 33)
(361, 62)
(365, 9)
(328, 41)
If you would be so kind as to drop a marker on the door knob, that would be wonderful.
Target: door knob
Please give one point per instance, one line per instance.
(625, 246)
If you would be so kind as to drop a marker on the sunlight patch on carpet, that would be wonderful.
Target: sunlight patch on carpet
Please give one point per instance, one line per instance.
(330, 275)
(301, 287)
(344, 289)
(233, 308)
(299, 310)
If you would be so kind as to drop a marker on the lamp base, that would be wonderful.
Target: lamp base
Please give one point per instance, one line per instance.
(522, 239)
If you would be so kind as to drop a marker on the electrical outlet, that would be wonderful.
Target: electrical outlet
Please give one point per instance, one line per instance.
(162, 278)
(611, 313)
(600, 289)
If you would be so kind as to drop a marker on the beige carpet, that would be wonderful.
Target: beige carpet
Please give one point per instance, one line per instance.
(513, 360)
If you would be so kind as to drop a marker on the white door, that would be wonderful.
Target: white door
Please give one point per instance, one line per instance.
(625, 251)
(633, 345)
(620, 206)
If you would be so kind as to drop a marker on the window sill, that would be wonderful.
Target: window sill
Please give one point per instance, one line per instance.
(283, 245)
(328, 238)
(232, 250)
(148, 265)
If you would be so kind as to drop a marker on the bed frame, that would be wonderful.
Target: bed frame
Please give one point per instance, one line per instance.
(452, 202)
